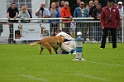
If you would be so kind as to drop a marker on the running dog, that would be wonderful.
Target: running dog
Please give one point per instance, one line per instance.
(49, 43)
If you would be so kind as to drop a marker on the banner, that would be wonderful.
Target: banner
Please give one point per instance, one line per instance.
(31, 31)
(4, 33)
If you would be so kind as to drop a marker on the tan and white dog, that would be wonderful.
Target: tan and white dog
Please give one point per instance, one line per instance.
(54, 42)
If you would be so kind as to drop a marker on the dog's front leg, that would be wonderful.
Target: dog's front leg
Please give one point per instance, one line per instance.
(55, 49)
(41, 49)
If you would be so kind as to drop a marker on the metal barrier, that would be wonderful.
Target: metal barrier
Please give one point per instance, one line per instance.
(91, 29)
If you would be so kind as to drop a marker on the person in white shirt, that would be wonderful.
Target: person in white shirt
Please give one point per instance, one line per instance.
(43, 12)
(121, 11)
(120, 8)
(69, 45)
(24, 14)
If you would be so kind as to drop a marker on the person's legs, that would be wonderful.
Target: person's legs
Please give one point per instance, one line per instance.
(56, 26)
(67, 28)
(66, 47)
(99, 33)
(83, 30)
(73, 44)
(114, 39)
(105, 33)
(51, 29)
(10, 39)
(95, 33)
(119, 34)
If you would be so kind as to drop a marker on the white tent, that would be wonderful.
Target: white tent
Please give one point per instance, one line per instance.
(35, 4)
(4, 4)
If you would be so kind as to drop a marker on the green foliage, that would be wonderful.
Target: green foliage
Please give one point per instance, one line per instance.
(22, 63)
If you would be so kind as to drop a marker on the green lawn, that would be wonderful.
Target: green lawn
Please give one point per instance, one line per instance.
(22, 63)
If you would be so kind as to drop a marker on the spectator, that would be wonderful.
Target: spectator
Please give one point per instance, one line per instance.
(110, 21)
(43, 12)
(28, 10)
(97, 29)
(61, 5)
(97, 11)
(87, 7)
(57, 5)
(78, 3)
(91, 4)
(121, 11)
(121, 8)
(80, 12)
(24, 14)
(65, 13)
(54, 14)
(12, 12)
(93, 7)
(90, 29)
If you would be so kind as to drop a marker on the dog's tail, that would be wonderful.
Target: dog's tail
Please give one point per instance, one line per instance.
(34, 43)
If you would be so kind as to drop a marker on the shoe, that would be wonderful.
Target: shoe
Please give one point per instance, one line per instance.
(101, 48)
(94, 42)
(115, 48)
(72, 51)
(14, 42)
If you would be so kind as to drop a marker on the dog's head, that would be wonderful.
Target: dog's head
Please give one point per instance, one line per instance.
(60, 39)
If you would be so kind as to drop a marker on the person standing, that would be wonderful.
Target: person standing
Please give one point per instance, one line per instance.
(121, 11)
(93, 7)
(61, 5)
(81, 12)
(24, 14)
(66, 13)
(121, 8)
(28, 10)
(12, 12)
(97, 28)
(43, 12)
(54, 25)
(110, 21)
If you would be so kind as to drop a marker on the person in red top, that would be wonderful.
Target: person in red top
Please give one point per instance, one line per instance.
(110, 21)
(66, 13)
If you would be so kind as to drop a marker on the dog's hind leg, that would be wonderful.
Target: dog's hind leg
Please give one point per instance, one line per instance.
(55, 49)
(41, 49)
(48, 47)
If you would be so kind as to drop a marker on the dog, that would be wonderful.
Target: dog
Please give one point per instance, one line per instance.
(54, 42)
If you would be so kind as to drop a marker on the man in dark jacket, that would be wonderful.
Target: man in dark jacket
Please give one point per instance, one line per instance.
(96, 28)
(110, 21)
(12, 12)
(93, 7)
(97, 11)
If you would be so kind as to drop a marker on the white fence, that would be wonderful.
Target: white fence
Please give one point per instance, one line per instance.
(90, 28)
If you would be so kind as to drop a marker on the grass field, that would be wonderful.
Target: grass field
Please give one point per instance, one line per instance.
(22, 63)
